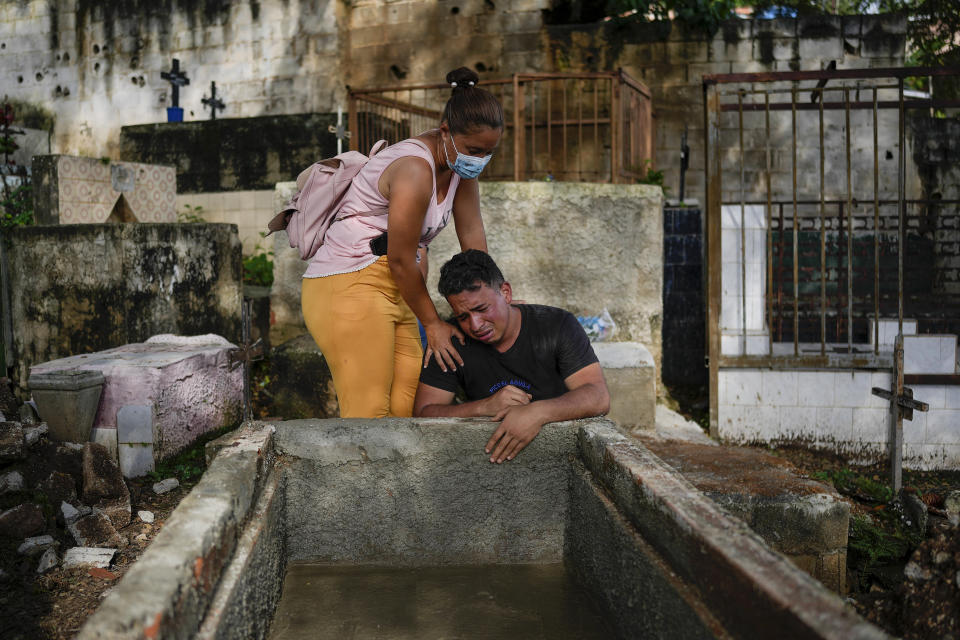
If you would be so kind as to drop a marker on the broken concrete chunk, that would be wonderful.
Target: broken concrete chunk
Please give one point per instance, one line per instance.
(88, 557)
(145, 516)
(69, 513)
(22, 521)
(11, 441)
(95, 530)
(11, 481)
(165, 486)
(915, 573)
(58, 487)
(101, 475)
(32, 435)
(951, 503)
(48, 561)
(34, 545)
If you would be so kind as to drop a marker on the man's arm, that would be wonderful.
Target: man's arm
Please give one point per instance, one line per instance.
(432, 402)
(587, 396)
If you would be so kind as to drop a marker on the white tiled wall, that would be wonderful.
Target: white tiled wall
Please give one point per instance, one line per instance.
(888, 330)
(249, 210)
(930, 354)
(753, 259)
(835, 410)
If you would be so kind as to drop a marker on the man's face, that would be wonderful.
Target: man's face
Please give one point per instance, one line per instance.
(483, 314)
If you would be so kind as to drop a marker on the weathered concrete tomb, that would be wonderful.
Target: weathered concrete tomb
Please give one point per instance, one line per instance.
(294, 519)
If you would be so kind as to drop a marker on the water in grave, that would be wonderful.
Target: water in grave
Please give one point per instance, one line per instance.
(470, 602)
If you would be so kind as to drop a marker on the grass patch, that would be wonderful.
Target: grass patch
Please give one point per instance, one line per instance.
(188, 465)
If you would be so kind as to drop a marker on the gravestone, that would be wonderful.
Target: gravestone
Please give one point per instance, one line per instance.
(70, 190)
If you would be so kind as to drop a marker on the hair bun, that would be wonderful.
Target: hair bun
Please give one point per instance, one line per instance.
(460, 79)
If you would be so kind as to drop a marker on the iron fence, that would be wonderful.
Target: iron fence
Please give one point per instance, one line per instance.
(586, 127)
(808, 156)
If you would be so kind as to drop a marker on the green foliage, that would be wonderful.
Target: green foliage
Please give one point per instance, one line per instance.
(16, 207)
(190, 214)
(653, 176)
(188, 465)
(703, 16)
(258, 267)
(851, 483)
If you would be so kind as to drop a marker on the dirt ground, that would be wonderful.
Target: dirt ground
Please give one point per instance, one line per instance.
(905, 580)
(55, 604)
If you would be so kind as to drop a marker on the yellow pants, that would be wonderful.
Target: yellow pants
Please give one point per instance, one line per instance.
(369, 338)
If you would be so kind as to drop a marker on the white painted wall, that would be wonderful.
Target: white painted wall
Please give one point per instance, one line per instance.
(835, 411)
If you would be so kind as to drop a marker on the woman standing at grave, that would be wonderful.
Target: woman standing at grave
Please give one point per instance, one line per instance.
(362, 295)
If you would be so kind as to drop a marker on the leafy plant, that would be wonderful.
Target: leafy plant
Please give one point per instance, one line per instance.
(704, 16)
(16, 200)
(258, 266)
(190, 214)
(652, 176)
(188, 465)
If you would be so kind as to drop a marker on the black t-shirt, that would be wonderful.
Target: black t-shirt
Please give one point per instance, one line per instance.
(550, 347)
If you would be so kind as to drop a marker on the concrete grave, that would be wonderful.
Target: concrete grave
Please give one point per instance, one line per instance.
(159, 396)
(70, 190)
(657, 557)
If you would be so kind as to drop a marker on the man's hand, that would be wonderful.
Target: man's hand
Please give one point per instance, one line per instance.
(521, 424)
(508, 396)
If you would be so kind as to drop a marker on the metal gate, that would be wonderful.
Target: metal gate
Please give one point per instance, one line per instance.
(808, 217)
(584, 127)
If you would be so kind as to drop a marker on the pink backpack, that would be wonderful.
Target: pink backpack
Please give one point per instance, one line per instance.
(316, 204)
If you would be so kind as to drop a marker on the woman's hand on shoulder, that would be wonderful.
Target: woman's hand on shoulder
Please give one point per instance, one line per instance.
(440, 345)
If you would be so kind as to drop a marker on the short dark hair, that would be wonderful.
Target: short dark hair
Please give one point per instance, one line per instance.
(468, 271)
(469, 106)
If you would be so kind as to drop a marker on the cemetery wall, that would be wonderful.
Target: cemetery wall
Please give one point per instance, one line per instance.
(81, 288)
(97, 66)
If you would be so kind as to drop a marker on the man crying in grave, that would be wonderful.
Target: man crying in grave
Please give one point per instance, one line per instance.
(523, 365)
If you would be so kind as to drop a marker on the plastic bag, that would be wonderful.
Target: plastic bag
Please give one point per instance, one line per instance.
(599, 328)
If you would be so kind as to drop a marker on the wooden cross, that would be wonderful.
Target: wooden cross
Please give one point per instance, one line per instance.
(246, 355)
(902, 405)
(176, 78)
(213, 102)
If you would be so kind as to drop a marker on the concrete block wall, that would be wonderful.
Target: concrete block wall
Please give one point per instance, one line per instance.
(834, 410)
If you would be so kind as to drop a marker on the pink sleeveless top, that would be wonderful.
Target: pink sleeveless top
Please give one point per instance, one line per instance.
(346, 246)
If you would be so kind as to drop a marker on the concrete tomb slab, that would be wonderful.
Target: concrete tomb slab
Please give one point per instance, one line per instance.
(67, 400)
(159, 395)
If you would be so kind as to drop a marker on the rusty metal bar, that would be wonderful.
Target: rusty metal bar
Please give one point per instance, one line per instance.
(519, 132)
(563, 130)
(902, 210)
(796, 225)
(353, 122)
(823, 243)
(549, 84)
(580, 130)
(712, 172)
(615, 142)
(837, 74)
(857, 105)
(846, 98)
(596, 120)
(743, 246)
(876, 229)
(769, 247)
(533, 131)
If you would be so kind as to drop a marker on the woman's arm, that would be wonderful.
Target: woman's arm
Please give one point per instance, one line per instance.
(408, 185)
(466, 216)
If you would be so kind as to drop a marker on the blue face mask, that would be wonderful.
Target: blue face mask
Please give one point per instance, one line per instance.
(467, 167)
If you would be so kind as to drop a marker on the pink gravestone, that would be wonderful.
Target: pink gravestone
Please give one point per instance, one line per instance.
(159, 396)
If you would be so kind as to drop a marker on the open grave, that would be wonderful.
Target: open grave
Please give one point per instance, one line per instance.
(586, 522)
